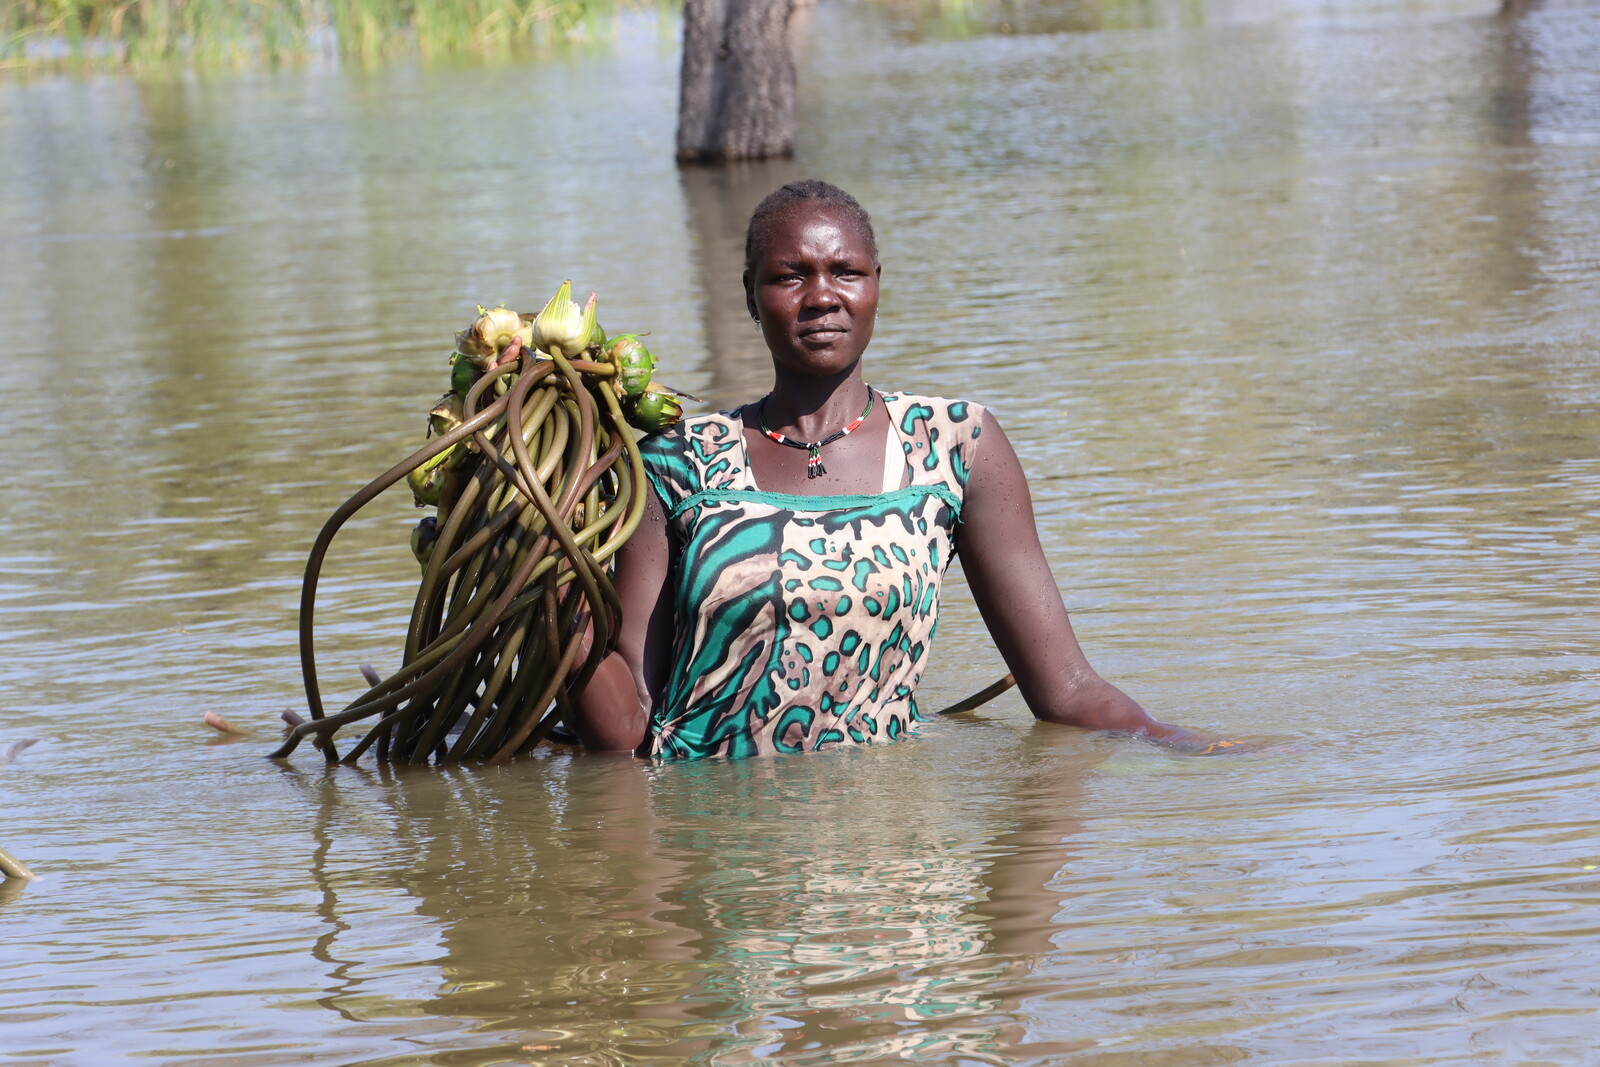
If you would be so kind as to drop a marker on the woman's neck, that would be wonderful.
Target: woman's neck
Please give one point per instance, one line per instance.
(814, 408)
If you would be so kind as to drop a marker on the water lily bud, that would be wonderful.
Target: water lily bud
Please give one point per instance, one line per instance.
(633, 362)
(562, 327)
(654, 410)
(462, 374)
(445, 416)
(490, 333)
(423, 538)
(592, 333)
(427, 479)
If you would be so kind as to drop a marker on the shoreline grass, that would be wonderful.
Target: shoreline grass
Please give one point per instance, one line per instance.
(120, 34)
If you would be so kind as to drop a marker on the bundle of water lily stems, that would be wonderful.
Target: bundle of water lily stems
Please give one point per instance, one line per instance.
(537, 480)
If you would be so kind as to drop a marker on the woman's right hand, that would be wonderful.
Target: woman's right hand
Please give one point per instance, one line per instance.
(612, 714)
(608, 716)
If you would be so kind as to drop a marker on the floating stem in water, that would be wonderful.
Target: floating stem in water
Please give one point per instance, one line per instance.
(11, 867)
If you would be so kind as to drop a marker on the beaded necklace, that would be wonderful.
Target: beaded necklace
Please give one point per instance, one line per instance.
(814, 467)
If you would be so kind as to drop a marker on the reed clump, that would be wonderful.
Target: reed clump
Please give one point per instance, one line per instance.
(274, 32)
(534, 470)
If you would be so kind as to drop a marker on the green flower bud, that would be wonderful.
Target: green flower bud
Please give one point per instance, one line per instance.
(427, 479)
(423, 538)
(654, 410)
(633, 362)
(561, 327)
(445, 415)
(462, 374)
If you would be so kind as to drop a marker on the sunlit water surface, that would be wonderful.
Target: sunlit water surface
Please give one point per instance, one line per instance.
(1291, 311)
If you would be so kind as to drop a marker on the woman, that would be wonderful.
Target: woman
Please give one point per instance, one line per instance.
(782, 589)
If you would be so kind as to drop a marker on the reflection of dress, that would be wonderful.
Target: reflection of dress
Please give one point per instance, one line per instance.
(802, 621)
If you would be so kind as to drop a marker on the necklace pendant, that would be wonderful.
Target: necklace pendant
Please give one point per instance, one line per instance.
(813, 449)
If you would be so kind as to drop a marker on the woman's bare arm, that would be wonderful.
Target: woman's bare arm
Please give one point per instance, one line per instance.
(613, 711)
(1011, 581)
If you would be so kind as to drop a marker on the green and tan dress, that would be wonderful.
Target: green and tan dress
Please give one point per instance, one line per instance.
(802, 622)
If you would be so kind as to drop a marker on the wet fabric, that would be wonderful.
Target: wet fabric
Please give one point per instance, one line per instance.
(803, 622)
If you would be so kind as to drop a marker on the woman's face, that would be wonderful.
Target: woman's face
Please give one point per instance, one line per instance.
(815, 292)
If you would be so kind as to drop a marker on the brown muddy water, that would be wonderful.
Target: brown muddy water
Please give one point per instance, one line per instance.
(1291, 310)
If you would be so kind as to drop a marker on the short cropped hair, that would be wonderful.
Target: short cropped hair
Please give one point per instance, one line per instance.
(809, 193)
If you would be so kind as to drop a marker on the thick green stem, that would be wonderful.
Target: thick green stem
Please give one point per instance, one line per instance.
(518, 583)
(319, 548)
(11, 867)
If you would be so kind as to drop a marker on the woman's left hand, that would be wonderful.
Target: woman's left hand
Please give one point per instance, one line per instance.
(1011, 581)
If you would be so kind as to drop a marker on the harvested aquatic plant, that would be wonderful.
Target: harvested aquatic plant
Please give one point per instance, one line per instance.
(537, 479)
(490, 334)
(633, 361)
(655, 408)
(561, 328)
(11, 867)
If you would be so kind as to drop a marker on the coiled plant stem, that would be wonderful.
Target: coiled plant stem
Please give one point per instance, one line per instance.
(515, 607)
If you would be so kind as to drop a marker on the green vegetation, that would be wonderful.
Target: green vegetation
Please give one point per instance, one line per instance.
(270, 32)
(254, 33)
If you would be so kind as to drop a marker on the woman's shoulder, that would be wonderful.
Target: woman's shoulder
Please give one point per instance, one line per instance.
(697, 451)
(709, 429)
(913, 412)
(939, 434)
(924, 405)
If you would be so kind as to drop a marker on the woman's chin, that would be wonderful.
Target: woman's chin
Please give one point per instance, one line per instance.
(831, 360)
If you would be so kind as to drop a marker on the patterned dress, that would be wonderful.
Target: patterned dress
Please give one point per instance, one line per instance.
(802, 622)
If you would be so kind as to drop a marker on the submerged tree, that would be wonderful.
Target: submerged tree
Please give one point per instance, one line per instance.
(737, 90)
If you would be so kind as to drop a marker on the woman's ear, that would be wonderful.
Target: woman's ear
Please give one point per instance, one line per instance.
(750, 296)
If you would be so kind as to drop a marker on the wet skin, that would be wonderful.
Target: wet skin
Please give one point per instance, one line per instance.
(814, 291)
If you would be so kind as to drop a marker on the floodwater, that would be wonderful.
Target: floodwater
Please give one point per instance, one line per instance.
(1291, 310)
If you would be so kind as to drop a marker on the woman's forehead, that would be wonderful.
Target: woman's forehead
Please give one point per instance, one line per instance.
(815, 228)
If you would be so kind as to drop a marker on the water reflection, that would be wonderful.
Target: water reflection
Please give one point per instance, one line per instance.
(602, 911)
(719, 202)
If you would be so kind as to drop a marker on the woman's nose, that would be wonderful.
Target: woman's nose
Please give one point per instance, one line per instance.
(821, 293)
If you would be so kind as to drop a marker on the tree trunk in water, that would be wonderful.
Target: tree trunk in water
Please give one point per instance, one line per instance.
(719, 202)
(737, 90)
